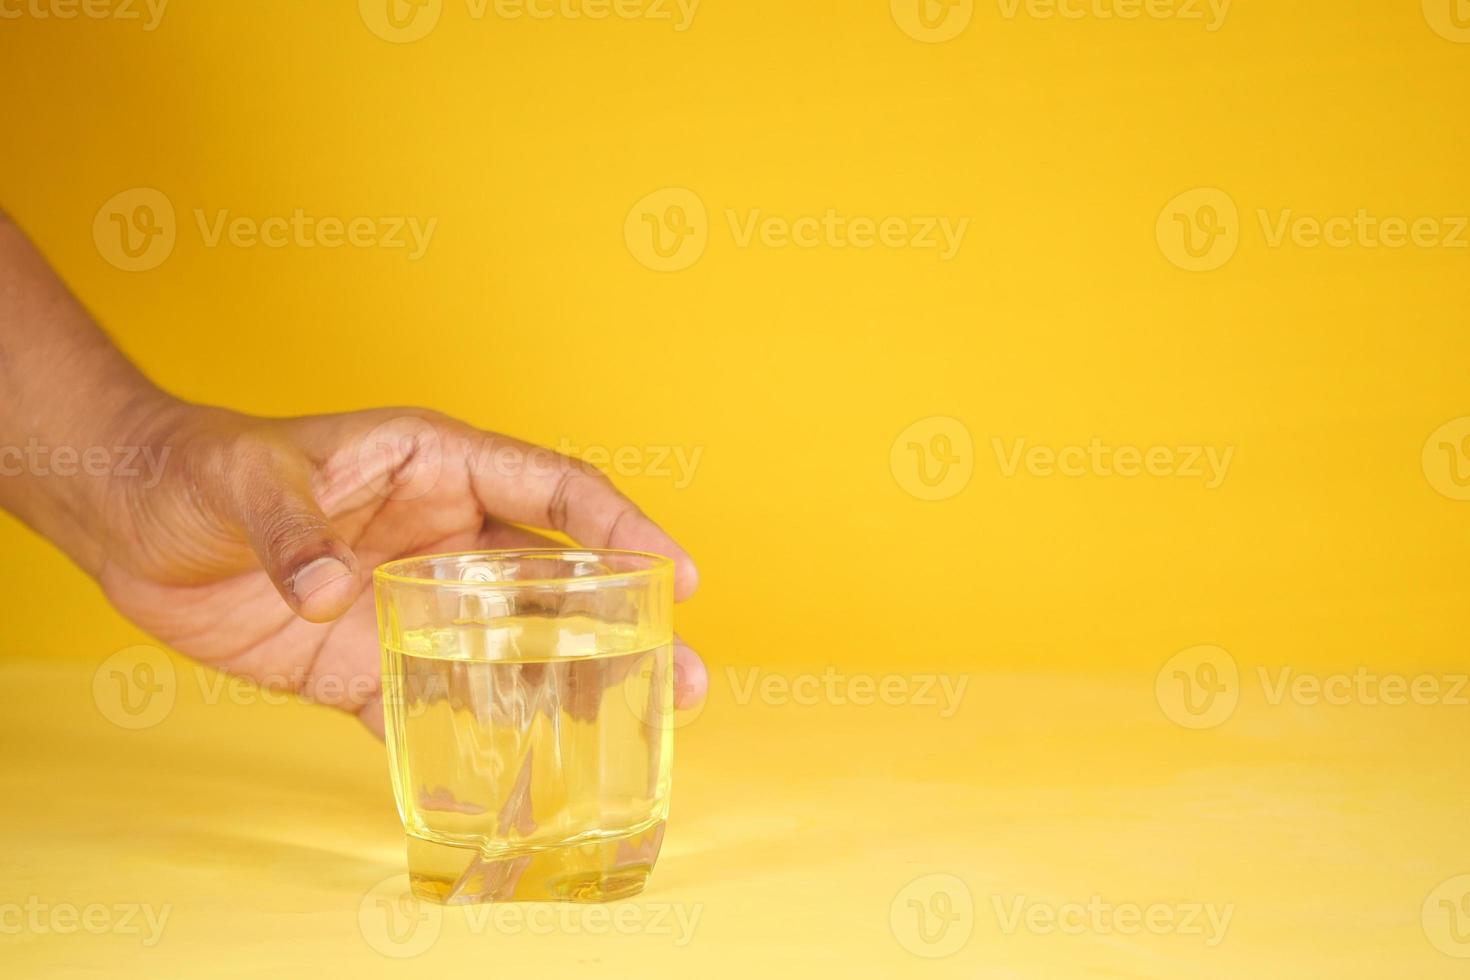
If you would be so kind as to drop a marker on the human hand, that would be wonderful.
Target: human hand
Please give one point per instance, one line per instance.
(253, 549)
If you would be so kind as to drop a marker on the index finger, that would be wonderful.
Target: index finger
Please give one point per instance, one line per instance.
(517, 481)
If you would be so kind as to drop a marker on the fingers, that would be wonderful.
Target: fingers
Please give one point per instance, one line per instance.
(691, 679)
(691, 684)
(498, 535)
(308, 562)
(371, 715)
(527, 484)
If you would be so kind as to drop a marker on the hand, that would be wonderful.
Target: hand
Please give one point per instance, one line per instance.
(253, 550)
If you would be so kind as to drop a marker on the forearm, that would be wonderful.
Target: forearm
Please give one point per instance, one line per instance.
(72, 407)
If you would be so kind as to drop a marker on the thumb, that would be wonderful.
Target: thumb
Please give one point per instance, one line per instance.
(308, 562)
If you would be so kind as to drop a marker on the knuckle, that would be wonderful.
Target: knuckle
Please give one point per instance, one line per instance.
(574, 481)
(558, 507)
(623, 517)
(250, 455)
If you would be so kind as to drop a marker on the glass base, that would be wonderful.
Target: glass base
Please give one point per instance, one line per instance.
(600, 870)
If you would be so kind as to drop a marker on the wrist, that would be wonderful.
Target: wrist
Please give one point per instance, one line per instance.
(73, 480)
(153, 448)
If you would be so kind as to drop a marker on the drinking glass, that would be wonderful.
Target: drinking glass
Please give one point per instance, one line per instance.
(528, 705)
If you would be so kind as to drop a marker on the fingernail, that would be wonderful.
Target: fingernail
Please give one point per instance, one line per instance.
(314, 575)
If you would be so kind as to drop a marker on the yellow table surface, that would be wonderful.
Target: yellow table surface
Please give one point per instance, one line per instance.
(804, 841)
(783, 406)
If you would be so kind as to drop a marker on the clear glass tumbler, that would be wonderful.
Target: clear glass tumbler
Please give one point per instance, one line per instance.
(528, 698)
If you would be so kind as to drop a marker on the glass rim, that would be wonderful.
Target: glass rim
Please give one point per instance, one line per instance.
(388, 573)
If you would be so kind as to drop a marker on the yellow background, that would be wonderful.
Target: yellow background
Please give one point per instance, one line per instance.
(1328, 546)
